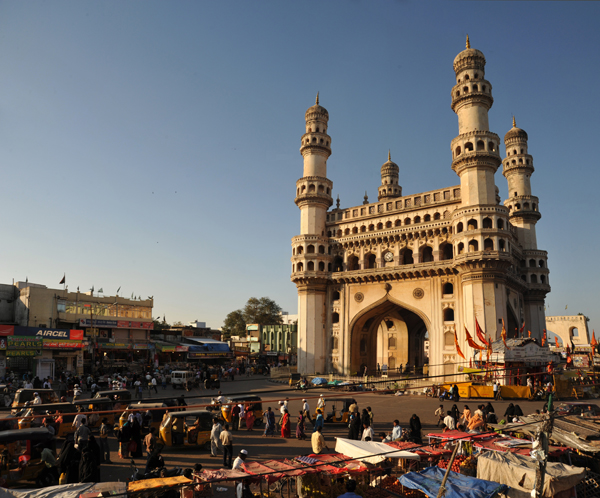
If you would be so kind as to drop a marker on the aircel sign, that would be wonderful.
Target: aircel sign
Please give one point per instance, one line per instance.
(56, 334)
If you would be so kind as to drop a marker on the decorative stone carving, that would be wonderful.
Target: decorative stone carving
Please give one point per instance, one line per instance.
(358, 297)
(418, 293)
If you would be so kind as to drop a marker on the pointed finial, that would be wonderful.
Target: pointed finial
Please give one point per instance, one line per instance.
(366, 201)
(514, 122)
(337, 203)
(389, 155)
(468, 42)
(317, 101)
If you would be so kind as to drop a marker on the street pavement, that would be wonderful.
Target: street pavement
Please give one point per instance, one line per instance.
(386, 408)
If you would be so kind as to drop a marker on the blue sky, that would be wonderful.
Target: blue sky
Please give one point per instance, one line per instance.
(155, 145)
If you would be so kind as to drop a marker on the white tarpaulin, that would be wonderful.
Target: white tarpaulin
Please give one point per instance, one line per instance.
(66, 490)
(371, 452)
(518, 472)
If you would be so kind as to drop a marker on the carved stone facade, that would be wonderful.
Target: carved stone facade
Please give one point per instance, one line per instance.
(376, 280)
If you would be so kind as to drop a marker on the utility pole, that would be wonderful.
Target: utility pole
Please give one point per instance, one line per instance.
(540, 447)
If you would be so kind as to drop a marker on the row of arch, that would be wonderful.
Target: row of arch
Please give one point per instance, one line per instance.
(486, 223)
(474, 88)
(533, 263)
(310, 249)
(314, 141)
(403, 237)
(310, 266)
(312, 189)
(526, 206)
(388, 224)
(534, 279)
(480, 146)
(405, 257)
(473, 246)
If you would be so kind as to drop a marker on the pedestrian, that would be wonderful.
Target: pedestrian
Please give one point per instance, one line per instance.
(449, 421)
(415, 429)
(321, 403)
(124, 438)
(235, 417)
(104, 428)
(281, 412)
(455, 414)
(285, 425)
(319, 421)
(138, 389)
(396, 431)
(317, 441)
(509, 413)
(82, 435)
(226, 439)
(300, 434)
(364, 420)
(269, 422)
(439, 413)
(368, 434)
(249, 418)
(466, 415)
(350, 490)
(455, 393)
(306, 410)
(135, 447)
(238, 463)
(163, 380)
(150, 444)
(354, 426)
(154, 385)
(215, 435)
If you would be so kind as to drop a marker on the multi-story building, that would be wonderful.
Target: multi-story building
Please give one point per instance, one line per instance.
(375, 278)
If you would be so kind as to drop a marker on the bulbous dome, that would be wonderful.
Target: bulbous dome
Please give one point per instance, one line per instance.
(515, 132)
(470, 58)
(389, 167)
(317, 109)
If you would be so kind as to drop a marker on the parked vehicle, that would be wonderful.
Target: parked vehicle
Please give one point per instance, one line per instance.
(122, 395)
(157, 473)
(98, 405)
(190, 428)
(23, 396)
(20, 458)
(180, 378)
(60, 416)
(340, 411)
(156, 412)
(584, 409)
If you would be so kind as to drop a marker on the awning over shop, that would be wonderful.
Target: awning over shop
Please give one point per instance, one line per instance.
(370, 451)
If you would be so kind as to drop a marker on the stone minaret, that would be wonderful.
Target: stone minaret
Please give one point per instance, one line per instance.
(389, 180)
(480, 234)
(311, 261)
(524, 215)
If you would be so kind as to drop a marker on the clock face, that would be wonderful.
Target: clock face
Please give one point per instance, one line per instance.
(388, 256)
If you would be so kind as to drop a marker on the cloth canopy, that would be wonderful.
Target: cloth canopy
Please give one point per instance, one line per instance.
(65, 490)
(457, 486)
(370, 452)
(519, 472)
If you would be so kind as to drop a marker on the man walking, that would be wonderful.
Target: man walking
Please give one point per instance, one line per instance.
(150, 444)
(104, 441)
(227, 441)
(138, 389)
(82, 435)
(215, 435)
(306, 410)
(235, 417)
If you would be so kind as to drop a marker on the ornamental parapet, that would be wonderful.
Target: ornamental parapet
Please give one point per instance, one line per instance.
(472, 98)
(403, 272)
(476, 159)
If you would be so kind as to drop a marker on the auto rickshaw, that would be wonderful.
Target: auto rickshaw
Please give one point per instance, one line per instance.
(122, 395)
(98, 405)
(254, 401)
(294, 378)
(153, 419)
(340, 411)
(22, 396)
(20, 457)
(186, 428)
(60, 414)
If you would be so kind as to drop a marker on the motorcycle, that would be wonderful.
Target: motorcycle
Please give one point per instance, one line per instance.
(158, 472)
(447, 396)
(302, 386)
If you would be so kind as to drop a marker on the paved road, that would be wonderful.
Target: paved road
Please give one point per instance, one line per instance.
(386, 408)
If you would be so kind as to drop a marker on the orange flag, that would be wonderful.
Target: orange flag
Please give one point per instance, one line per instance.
(471, 342)
(504, 335)
(556, 341)
(594, 343)
(529, 332)
(458, 351)
(479, 332)
(544, 338)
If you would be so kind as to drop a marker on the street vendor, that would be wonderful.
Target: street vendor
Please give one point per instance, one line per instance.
(238, 463)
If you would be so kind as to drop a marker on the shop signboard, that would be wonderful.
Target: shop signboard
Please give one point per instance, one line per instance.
(209, 355)
(252, 326)
(52, 344)
(140, 346)
(181, 349)
(6, 330)
(167, 349)
(23, 352)
(57, 334)
(2, 343)
(24, 342)
(115, 345)
(118, 324)
(581, 361)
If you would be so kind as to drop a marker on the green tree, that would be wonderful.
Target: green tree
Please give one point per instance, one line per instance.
(263, 311)
(160, 324)
(234, 324)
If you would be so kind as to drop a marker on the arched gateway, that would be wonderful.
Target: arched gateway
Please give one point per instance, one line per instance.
(374, 278)
(386, 333)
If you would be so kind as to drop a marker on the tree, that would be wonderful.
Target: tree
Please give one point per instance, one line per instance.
(234, 324)
(263, 311)
(160, 324)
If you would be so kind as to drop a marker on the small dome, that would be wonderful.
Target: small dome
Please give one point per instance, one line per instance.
(389, 167)
(515, 132)
(470, 58)
(317, 109)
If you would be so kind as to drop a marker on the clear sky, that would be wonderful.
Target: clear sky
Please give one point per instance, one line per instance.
(154, 146)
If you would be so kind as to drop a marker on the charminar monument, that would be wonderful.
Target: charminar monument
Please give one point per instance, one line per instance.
(375, 279)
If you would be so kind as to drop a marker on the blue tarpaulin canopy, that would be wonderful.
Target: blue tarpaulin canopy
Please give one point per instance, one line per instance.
(457, 486)
(317, 381)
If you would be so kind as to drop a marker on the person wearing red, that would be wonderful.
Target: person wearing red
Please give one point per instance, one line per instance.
(285, 425)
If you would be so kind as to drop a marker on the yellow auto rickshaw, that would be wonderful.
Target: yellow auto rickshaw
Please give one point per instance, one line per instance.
(98, 405)
(59, 415)
(340, 411)
(122, 395)
(152, 414)
(20, 457)
(251, 400)
(189, 428)
(22, 396)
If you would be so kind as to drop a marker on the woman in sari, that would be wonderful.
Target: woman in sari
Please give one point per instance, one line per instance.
(285, 424)
(300, 426)
(249, 418)
(269, 422)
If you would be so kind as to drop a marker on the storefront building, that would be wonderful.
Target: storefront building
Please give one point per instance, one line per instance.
(280, 341)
